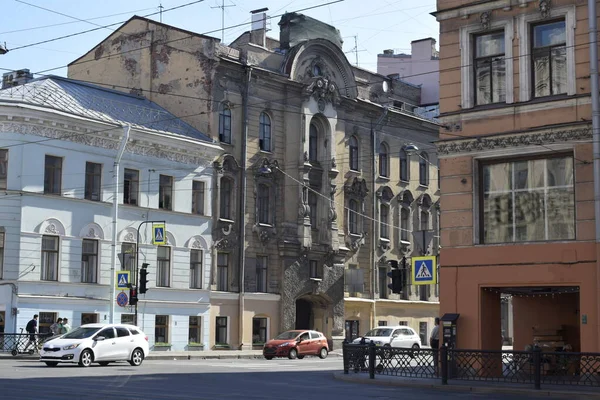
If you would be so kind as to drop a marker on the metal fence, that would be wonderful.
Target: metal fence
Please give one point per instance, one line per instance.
(20, 343)
(526, 367)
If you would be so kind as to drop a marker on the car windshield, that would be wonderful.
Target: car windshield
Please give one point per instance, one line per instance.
(80, 333)
(288, 335)
(379, 332)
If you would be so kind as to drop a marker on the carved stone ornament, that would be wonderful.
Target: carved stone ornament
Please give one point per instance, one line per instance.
(333, 163)
(303, 210)
(357, 188)
(51, 228)
(129, 237)
(354, 243)
(485, 19)
(265, 233)
(224, 243)
(305, 156)
(466, 146)
(384, 245)
(196, 244)
(544, 7)
(92, 234)
(322, 89)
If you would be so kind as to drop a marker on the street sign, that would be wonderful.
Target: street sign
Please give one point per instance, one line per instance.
(122, 299)
(122, 280)
(159, 234)
(424, 270)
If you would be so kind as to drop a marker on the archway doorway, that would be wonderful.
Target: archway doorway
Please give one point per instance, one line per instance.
(304, 314)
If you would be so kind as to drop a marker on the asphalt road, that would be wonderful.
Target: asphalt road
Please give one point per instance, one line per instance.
(310, 378)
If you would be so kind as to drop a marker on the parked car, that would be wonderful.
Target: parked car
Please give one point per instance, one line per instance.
(97, 343)
(394, 336)
(297, 344)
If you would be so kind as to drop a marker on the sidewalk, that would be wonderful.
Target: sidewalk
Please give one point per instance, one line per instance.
(472, 386)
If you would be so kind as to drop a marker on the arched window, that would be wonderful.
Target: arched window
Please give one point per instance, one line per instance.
(423, 169)
(404, 175)
(404, 224)
(353, 211)
(383, 160)
(225, 125)
(225, 198)
(424, 220)
(384, 215)
(263, 204)
(264, 137)
(313, 137)
(353, 153)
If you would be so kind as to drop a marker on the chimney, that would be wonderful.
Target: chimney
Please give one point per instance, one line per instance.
(16, 78)
(258, 30)
(423, 49)
(388, 52)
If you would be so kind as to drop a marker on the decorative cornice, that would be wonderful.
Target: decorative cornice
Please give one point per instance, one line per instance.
(90, 139)
(530, 139)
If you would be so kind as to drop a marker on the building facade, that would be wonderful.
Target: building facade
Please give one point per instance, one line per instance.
(315, 183)
(516, 160)
(58, 147)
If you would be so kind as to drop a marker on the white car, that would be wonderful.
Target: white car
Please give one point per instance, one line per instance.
(97, 343)
(394, 336)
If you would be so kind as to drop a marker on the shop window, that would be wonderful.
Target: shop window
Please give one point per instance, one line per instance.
(88, 318)
(46, 319)
(259, 331)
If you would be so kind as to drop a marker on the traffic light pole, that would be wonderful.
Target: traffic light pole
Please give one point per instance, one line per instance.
(137, 259)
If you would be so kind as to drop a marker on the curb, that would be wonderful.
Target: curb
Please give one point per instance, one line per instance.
(167, 356)
(412, 383)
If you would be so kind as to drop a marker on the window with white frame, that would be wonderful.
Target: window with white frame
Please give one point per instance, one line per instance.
(195, 330)
(384, 221)
(198, 193)
(263, 207)
(93, 181)
(353, 145)
(163, 266)
(222, 271)
(549, 58)
(131, 185)
(225, 125)
(259, 331)
(423, 169)
(528, 200)
(3, 169)
(490, 68)
(53, 175)
(384, 162)
(161, 329)
(196, 269)
(221, 331)
(128, 249)
(404, 165)
(261, 274)
(49, 258)
(354, 279)
(264, 138)
(89, 261)
(165, 192)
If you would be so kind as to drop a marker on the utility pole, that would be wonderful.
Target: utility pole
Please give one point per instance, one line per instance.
(160, 8)
(222, 7)
(356, 48)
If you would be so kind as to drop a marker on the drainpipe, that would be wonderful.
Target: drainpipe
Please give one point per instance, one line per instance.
(375, 219)
(115, 209)
(593, 29)
(242, 211)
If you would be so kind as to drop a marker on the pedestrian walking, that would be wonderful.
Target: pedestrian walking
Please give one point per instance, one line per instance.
(32, 329)
(56, 328)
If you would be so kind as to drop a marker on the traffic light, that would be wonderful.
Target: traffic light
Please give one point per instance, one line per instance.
(133, 293)
(143, 278)
(397, 275)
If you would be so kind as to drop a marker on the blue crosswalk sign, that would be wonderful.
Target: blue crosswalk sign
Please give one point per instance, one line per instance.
(424, 270)
(158, 235)
(122, 279)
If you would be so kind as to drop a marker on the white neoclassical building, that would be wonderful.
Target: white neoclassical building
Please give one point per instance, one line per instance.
(59, 140)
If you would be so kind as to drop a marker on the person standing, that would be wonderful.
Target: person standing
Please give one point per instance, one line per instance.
(65, 326)
(434, 342)
(56, 328)
(32, 329)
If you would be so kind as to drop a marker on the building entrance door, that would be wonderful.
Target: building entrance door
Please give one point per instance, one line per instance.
(304, 314)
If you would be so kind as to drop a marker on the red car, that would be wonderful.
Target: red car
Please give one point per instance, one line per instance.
(297, 344)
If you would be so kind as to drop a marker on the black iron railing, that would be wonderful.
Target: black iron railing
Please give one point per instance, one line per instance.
(21, 343)
(526, 367)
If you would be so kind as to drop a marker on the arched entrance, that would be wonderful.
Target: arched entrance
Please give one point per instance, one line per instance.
(304, 314)
(313, 312)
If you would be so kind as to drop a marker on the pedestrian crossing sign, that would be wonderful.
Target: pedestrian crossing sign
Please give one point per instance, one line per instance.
(158, 235)
(122, 280)
(424, 270)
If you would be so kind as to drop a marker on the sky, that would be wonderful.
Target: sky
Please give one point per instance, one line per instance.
(376, 24)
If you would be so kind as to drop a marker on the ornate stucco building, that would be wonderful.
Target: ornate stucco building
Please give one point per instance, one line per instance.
(316, 189)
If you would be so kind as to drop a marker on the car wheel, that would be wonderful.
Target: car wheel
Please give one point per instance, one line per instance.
(269, 357)
(86, 358)
(293, 354)
(323, 353)
(104, 363)
(416, 346)
(300, 357)
(137, 357)
(51, 363)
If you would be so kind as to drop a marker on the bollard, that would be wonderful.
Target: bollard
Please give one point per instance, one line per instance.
(345, 356)
(444, 362)
(372, 360)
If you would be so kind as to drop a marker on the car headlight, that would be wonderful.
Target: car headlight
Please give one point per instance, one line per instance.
(71, 346)
(284, 344)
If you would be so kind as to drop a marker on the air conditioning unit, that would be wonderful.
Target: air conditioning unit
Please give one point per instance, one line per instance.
(16, 78)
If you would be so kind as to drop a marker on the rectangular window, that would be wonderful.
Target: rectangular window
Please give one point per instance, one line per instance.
(222, 271)
(128, 319)
(423, 332)
(424, 292)
(89, 261)
(261, 274)
(263, 204)
(313, 137)
(259, 331)
(382, 323)
(221, 331)
(549, 58)
(49, 258)
(312, 204)
(225, 198)
(315, 269)
(404, 224)
(198, 197)
(194, 330)
(161, 329)
(225, 126)
(46, 319)
(129, 251)
(490, 68)
(383, 283)
(163, 266)
(405, 323)
(89, 318)
(196, 269)
(53, 175)
(352, 329)
(2, 236)
(384, 214)
(528, 200)
(354, 279)
(165, 192)
(131, 187)
(3, 169)
(93, 181)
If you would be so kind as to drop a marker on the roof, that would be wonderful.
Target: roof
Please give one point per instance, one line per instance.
(100, 104)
